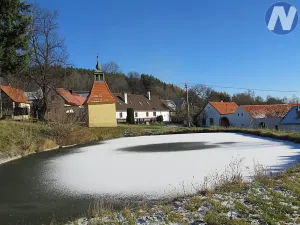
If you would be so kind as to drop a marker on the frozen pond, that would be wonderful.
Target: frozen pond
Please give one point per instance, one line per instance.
(63, 183)
(160, 165)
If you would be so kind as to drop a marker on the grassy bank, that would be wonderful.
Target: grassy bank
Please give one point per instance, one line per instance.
(268, 200)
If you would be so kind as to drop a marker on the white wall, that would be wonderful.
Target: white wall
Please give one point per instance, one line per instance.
(240, 118)
(211, 112)
(270, 122)
(143, 115)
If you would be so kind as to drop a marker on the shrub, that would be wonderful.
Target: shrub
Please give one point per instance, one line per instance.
(160, 119)
(130, 116)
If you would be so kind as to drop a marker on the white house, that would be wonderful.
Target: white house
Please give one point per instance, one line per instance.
(146, 107)
(261, 116)
(219, 114)
(291, 121)
(247, 116)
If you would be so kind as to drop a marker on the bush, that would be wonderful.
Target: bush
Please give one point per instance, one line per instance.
(160, 119)
(130, 116)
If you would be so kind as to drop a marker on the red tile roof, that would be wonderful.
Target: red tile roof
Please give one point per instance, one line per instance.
(268, 111)
(15, 94)
(72, 99)
(225, 108)
(100, 93)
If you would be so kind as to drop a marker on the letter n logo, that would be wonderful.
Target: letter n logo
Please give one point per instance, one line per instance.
(282, 18)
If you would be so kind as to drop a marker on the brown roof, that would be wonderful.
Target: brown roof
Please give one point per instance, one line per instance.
(139, 102)
(72, 99)
(100, 93)
(225, 108)
(268, 111)
(15, 94)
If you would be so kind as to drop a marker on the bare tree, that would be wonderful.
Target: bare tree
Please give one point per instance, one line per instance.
(111, 67)
(49, 54)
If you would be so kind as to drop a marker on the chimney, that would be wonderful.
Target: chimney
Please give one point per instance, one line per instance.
(149, 95)
(71, 91)
(125, 98)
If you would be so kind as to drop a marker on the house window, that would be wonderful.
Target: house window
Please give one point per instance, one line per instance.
(276, 127)
(238, 114)
(154, 113)
(242, 114)
(211, 121)
(147, 114)
(136, 114)
(121, 115)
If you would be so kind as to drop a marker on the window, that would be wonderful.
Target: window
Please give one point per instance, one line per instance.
(136, 114)
(211, 121)
(276, 127)
(147, 114)
(121, 115)
(154, 113)
(242, 114)
(238, 114)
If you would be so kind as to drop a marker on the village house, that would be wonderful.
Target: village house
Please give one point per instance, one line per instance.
(146, 107)
(291, 121)
(64, 104)
(13, 103)
(245, 116)
(100, 104)
(218, 114)
(261, 116)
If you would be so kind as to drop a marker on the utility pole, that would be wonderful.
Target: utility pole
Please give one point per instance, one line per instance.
(188, 104)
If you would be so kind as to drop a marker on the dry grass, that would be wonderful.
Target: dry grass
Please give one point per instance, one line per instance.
(19, 138)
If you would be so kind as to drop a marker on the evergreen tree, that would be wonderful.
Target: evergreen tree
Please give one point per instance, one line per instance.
(14, 35)
(130, 116)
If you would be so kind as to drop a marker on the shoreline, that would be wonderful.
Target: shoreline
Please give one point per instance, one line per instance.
(9, 159)
(274, 135)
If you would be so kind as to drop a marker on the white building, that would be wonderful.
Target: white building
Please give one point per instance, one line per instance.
(291, 121)
(247, 116)
(146, 107)
(219, 114)
(262, 116)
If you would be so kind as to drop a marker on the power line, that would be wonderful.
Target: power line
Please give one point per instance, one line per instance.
(243, 88)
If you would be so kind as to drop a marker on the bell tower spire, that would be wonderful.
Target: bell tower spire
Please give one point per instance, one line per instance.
(98, 74)
(98, 65)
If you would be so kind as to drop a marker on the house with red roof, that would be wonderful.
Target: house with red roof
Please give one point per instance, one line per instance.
(100, 104)
(261, 116)
(219, 114)
(13, 103)
(248, 116)
(64, 103)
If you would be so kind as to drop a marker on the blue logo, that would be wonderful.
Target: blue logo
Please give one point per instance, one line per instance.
(282, 18)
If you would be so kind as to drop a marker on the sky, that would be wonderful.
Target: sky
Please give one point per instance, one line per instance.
(216, 42)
